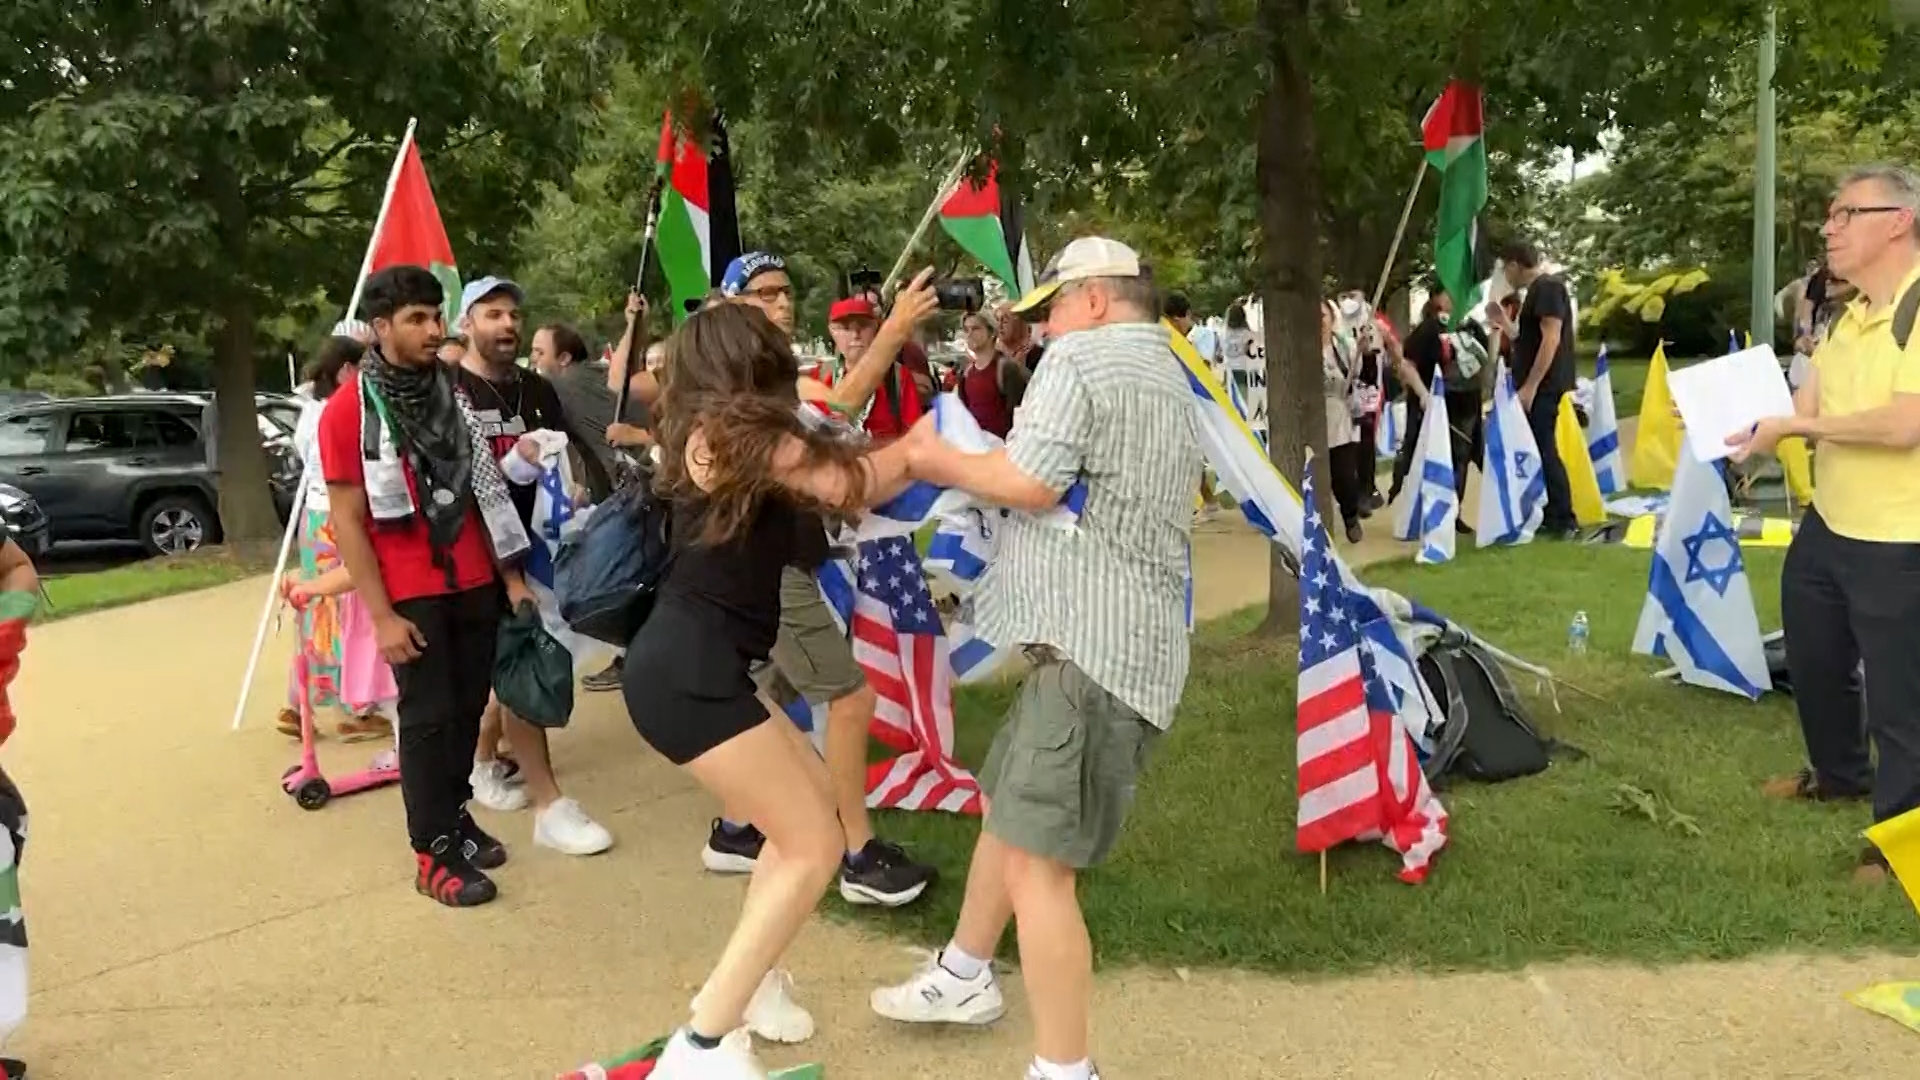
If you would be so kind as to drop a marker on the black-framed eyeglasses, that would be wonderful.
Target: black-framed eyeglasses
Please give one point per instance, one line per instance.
(1844, 215)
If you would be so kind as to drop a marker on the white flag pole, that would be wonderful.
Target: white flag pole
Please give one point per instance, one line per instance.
(300, 497)
(1399, 233)
(933, 209)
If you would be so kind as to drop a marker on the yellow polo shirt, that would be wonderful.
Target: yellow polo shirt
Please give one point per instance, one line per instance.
(1867, 492)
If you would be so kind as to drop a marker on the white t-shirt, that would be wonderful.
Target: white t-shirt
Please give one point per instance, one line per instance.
(306, 443)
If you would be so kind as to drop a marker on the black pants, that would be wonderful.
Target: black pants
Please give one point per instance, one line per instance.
(1542, 418)
(1844, 601)
(1346, 466)
(1467, 436)
(442, 696)
(1369, 435)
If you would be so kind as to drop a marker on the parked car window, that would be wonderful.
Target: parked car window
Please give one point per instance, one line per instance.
(172, 432)
(88, 432)
(21, 436)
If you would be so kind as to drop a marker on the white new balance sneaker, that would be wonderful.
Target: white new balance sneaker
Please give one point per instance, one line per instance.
(733, 1059)
(566, 828)
(937, 996)
(493, 790)
(773, 1014)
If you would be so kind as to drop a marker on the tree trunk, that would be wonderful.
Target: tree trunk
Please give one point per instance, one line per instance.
(247, 514)
(1291, 278)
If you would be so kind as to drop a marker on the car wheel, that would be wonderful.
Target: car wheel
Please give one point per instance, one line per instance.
(174, 524)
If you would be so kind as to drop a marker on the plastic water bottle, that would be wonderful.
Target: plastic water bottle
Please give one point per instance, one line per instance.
(1577, 634)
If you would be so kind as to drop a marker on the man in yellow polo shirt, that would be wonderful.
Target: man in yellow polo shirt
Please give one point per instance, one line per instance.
(1851, 588)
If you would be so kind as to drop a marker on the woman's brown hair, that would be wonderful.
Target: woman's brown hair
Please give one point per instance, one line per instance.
(730, 375)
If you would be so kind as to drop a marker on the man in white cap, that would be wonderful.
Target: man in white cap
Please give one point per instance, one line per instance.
(1101, 609)
(510, 401)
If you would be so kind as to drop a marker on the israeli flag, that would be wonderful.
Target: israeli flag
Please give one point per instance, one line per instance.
(1392, 428)
(1429, 512)
(1699, 608)
(1513, 491)
(555, 518)
(1603, 432)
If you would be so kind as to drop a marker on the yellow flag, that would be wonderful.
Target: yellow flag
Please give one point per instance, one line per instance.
(1797, 463)
(1898, 838)
(1656, 435)
(1589, 508)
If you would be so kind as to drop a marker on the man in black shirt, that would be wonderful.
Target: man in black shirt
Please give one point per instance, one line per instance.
(1542, 369)
(509, 402)
(1459, 357)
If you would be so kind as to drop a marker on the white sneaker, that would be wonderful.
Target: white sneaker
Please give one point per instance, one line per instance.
(493, 790)
(773, 1014)
(733, 1059)
(566, 828)
(937, 996)
(1034, 1072)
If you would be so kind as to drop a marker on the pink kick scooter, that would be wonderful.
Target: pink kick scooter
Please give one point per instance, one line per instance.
(307, 784)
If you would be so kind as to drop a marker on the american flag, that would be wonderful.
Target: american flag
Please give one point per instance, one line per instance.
(901, 645)
(1359, 776)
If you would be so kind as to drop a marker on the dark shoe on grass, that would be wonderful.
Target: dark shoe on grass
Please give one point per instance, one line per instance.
(1804, 786)
(1872, 869)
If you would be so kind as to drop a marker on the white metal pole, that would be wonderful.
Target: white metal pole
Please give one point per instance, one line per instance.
(933, 209)
(1399, 233)
(300, 496)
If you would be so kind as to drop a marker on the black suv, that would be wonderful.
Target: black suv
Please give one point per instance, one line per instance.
(134, 467)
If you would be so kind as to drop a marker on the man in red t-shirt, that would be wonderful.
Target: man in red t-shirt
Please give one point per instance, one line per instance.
(401, 469)
(990, 383)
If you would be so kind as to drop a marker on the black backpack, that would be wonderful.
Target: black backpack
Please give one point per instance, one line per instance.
(605, 576)
(1905, 315)
(1485, 735)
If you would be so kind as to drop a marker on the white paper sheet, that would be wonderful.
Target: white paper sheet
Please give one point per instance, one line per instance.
(1728, 394)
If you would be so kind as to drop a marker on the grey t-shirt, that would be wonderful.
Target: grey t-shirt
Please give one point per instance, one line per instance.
(589, 405)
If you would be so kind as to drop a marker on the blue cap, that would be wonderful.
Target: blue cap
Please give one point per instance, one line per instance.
(481, 288)
(741, 271)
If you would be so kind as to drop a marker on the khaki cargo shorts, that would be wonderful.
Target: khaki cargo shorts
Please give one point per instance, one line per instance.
(1063, 770)
(811, 651)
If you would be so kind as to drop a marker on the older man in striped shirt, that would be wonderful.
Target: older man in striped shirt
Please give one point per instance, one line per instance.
(1101, 609)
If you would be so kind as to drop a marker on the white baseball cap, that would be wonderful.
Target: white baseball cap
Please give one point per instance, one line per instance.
(1087, 257)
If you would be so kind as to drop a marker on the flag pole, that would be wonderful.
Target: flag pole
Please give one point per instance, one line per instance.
(926, 220)
(300, 497)
(623, 363)
(1323, 871)
(1399, 233)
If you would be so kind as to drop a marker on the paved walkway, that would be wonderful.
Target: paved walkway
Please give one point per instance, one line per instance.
(189, 921)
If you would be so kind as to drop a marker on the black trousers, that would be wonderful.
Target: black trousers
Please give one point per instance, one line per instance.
(1466, 438)
(1369, 436)
(442, 696)
(1846, 601)
(1545, 413)
(1347, 467)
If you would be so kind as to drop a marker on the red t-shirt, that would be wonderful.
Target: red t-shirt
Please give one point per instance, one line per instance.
(979, 389)
(405, 555)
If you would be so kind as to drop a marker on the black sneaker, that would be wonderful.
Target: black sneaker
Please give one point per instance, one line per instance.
(883, 875)
(1353, 532)
(13, 1069)
(447, 876)
(1373, 501)
(483, 851)
(730, 852)
(608, 679)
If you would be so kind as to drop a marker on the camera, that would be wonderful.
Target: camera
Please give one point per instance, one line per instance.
(961, 294)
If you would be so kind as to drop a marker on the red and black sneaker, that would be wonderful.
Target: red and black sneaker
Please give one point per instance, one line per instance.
(446, 875)
(482, 850)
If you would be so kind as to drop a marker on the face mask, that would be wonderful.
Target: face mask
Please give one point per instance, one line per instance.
(1350, 307)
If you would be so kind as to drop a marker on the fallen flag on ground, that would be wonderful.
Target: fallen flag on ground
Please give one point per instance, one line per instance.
(638, 1065)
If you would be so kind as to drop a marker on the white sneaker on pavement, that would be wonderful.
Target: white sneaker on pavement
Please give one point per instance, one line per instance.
(733, 1059)
(773, 1014)
(493, 790)
(566, 828)
(937, 996)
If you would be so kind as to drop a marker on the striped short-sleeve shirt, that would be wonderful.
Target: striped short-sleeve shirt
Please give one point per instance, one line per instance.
(1111, 407)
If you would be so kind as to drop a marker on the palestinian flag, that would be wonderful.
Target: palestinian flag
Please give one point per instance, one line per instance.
(638, 1065)
(16, 610)
(410, 233)
(987, 225)
(699, 230)
(1454, 133)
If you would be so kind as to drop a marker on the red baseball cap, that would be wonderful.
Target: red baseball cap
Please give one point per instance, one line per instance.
(853, 307)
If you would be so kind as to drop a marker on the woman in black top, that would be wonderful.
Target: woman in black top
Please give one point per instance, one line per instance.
(747, 477)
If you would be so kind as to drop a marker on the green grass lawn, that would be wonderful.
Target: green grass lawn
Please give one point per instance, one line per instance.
(75, 594)
(1539, 868)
